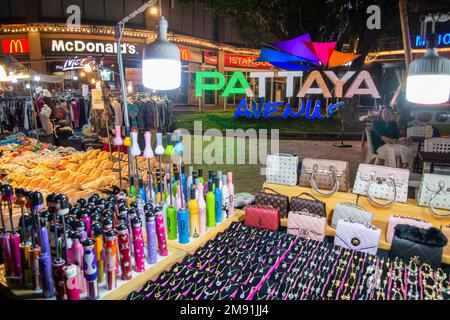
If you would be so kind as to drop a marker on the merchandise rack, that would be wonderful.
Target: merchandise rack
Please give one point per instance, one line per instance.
(380, 214)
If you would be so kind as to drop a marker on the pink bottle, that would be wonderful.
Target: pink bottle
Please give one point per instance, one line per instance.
(161, 233)
(201, 209)
(231, 190)
(77, 255)
(138, 245)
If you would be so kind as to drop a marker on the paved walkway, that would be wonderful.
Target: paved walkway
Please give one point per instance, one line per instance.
(248, 178)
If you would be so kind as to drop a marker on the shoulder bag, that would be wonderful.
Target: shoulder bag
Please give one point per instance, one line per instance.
(357, 236)
(282, 169)
(265, 217)
(346, 211)
(312, 206)
(434, 193)
(395, 220)
(307, 226)
(270, 197)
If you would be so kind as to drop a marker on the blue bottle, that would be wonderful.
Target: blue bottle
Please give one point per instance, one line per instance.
(218, 196)
(184, 182)
(183, 226)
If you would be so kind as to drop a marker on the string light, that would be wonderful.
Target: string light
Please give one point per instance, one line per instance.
(144, 34)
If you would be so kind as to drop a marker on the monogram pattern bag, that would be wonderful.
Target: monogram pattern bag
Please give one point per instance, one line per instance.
(380, 182)
(282, 169)
(434, 193)
(323, 174)
(314, 206)
(350, 211)
(265, 217)
(307, 226)
(269, 197)
(357, 236)
(395, 220)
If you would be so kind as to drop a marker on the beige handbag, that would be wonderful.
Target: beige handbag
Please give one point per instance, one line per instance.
(434, 192)
(380, 182)
(323, 174)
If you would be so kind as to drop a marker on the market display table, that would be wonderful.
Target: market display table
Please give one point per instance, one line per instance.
(380, 214)
(435, 158)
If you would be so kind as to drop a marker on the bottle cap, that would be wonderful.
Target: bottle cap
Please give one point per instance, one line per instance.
(97, 228)
(224, 180)
(192, 193)
(217, 180)
(88, 242)
(183, 169)
(210, 185)
(210, 174)
(200, 172)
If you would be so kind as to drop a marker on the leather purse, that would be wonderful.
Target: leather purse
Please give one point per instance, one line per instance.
(282, 169)
(421, 245)
(446, 231)
(357, 236)
(380, 182)
(323, 174)
(350, 211)
(434, 193)
(265, 217)
(314, 206)
(307, 226)
(395, 220)
(274, 199)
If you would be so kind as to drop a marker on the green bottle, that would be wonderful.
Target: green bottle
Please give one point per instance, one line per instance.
(171, 223)
(200, 176)
(210, 207)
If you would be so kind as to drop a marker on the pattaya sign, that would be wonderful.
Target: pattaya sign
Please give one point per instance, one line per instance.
(313, 85)
(294, 56)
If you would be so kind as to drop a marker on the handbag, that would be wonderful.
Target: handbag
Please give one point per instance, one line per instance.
(382, 182)
(357, 236)
(265, 217)
(314, 206)
(446, 231)
(422, 245)
(396, 220)
(282, 169)
(274, 199)
(346, 211)
(308, 226)
(434, 193)
(332, 175)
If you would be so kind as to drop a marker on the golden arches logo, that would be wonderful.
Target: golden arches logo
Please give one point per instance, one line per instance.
(17, 44)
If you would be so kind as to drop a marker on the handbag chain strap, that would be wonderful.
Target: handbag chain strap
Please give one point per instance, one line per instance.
(308, 195)
(314, 185)
(374, 180)
(433, 196)
(353, 205)
(275, 192)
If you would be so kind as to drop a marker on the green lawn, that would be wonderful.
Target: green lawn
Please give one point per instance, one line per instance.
(225, 120)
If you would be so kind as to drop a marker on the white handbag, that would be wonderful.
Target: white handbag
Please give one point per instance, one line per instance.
(282, 169)
(380, 182)
(434, 193)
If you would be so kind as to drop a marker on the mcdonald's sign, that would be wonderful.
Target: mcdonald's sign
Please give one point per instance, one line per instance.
(15, 46)
(185, 54)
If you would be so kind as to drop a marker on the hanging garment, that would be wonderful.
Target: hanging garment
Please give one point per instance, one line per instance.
(75, 113)
(45, 119)
(118, 115)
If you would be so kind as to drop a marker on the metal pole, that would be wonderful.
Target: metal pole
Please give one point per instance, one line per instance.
(405, 31)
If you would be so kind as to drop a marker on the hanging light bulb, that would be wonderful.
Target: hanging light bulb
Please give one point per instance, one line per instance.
(27, 86)
(428, 79)
(93, 81)
(161, 66)
(87, 67)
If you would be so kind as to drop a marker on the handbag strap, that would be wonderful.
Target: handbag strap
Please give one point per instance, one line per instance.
(433, 196)
(308, 195)
(283, 154)
(313, 183)
(373, 199)
(269, 189)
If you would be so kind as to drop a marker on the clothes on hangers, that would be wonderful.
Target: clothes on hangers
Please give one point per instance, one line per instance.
(45, 119)
(118, 115)
(16, 114)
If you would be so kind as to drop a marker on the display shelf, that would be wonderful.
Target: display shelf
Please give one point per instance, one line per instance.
(380, 217)
(124, 288)
(192, 246)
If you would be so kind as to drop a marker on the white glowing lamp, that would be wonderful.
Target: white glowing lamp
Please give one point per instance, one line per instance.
(3, 76)
(428, 79)
(161, 66)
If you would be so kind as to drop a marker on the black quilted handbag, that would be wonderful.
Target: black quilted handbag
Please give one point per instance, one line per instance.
(422, 245)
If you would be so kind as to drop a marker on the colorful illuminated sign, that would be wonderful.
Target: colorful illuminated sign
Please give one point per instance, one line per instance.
(244, 61)
(15, 46)
(442, 40)
(185, 54)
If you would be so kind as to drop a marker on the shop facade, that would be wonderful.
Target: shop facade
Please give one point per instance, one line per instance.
(57, 50)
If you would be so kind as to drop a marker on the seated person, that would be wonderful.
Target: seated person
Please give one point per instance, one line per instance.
(385, 131)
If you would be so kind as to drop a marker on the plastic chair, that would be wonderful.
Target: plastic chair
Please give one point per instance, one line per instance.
(371, 154)
(391, 161)
(441, 145)
(417, 131)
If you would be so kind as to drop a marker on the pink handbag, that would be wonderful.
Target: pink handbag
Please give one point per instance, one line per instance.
(396, 220)
(305, 225)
